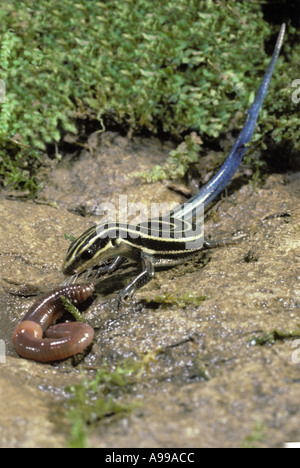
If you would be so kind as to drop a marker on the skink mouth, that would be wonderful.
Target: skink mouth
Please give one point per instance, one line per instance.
(72, 269)
(68, 270)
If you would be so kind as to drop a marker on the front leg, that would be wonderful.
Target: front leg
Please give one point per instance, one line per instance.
(143, 278)
(113, 266)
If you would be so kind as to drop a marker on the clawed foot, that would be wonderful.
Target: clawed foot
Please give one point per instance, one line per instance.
(123, 299)
(126, 299)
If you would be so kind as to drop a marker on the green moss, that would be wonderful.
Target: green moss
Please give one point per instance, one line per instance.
(96, 398)
(269, 337)
(184, 300)
(72, 309)
(69, 237)
(257, 434)
(142, 64)
(177, 164)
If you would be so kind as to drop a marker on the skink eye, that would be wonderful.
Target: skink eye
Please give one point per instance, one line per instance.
(87, 254)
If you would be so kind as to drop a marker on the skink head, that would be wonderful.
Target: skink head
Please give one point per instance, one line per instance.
(92, 247)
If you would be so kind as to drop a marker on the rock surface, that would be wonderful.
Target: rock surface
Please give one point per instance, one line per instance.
(225, 372)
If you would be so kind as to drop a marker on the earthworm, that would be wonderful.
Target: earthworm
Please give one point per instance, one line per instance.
(62, 340)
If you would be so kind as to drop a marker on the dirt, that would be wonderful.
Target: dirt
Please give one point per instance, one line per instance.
(224, 372)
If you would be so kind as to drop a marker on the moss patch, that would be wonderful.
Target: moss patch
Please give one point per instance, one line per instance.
(168, 66)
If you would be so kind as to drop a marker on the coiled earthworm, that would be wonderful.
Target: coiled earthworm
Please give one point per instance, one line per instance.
(62, 340)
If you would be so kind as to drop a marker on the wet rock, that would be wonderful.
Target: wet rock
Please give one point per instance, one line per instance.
(209, 382)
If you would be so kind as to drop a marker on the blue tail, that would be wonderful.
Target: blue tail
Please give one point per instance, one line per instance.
(212, 189)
